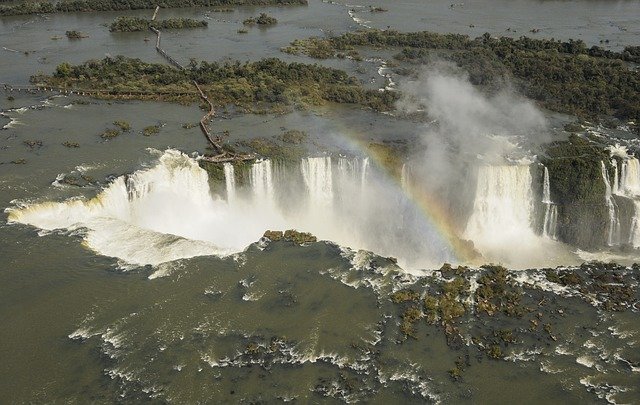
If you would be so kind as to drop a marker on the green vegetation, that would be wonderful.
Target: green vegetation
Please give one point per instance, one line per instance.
(262, 19)
(290, 235)
(270, 81)
(45, 7)
(503, 317)
(410, 316)
(497, 294)
(273, 235)
(274, 150)
(562, 76)
(404, 296)
(151, 130)
(293, 136)
(75, 34)
(123, 125)
(110, 134)
(575, 174)
(129, 24)
(70, 144)
(299, 238)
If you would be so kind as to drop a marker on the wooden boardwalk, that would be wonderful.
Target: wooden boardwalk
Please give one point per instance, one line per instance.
(222, 155)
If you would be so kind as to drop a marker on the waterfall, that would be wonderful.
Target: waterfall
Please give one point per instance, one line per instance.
(152, 216)
(551, 210)
(616, 179)
(629, 178)
(230, 182)
(317, 175)
(614, 222)
(634, 233)
(261, 178)
(166, 212)
(363, 172)
(403, 177)
(502, 210)
(546, 188)
(627, 184)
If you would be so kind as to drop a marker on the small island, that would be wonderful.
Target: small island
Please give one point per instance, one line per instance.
(263, 19)
(132, 24)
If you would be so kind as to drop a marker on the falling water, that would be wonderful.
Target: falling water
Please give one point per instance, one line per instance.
(317, 175)
(403, 177)
(614, 223)
(363, 175)
(262, 183)
(630, 178)
(230, 182)
(167, 212)
(551, 210)
(503, 203)
(627, 184)
(500, 224)
(616, 178)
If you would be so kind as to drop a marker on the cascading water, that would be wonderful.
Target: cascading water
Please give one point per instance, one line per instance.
(262, 183)
(149, 217)
(230, 182)
(503, 203)
(318, 178)
(627, 184)
(551, 210)
(363, 176)
(614, 222)
(166, 212)
(500, 224)
(403, 177)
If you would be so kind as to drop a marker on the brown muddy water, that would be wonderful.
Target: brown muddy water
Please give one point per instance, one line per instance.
(149, 283)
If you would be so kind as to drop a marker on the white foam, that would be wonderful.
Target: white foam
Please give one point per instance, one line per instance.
(586, 361)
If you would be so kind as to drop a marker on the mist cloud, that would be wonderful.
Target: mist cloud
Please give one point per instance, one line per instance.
(467, 126)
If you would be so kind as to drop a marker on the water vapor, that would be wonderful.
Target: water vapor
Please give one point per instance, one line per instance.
(467, 125)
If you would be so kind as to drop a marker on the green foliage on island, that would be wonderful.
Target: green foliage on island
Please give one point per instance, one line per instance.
(290, 235)
(129, 24)
(563, 76)
(110, 133)
(151, 130)
(123, 125)
(74, 34)
(242, 84)
(575, 174)
(45, 7)
(293, 136)
(262, 19)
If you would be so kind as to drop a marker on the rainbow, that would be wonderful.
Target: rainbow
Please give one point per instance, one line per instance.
(434, 212)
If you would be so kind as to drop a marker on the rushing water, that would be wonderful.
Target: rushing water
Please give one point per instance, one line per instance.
(550, 209)
(150, 282)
